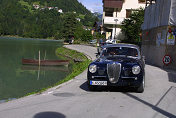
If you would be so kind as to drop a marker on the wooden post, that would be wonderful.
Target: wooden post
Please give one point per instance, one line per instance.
(39, 57)
(39, 67)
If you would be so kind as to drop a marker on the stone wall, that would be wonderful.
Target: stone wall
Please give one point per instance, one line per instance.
(171, 50)
(154, 47)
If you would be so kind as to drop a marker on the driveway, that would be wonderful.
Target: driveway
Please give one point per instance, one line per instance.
(73, 100)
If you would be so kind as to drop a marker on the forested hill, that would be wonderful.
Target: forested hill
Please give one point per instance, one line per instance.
(42, 18)
(65, 5)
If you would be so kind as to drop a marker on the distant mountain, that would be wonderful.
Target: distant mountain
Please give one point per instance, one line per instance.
(99, 15)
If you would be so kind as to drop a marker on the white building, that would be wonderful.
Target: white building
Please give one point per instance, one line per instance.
(50, 8)
(60, 11)
(36, 6)
(78, 19)
(114, 12)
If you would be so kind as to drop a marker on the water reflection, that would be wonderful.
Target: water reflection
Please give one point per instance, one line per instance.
(45, 68)
(42, 69)
(16, 80)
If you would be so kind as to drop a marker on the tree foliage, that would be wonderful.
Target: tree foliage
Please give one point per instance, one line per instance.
(86, 36)
(70, 25)
(131, 27)
(98, 35)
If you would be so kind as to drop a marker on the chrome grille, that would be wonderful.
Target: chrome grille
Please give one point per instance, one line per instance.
(113, 71)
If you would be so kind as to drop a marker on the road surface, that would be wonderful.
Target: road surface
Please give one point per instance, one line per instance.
(73, 100)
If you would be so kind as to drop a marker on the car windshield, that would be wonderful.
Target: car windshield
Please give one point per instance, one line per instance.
(120, 51)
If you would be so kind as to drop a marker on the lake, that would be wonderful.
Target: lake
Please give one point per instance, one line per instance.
(17, 80)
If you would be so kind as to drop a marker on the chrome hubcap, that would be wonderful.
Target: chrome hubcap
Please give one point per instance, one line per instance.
(143, 82)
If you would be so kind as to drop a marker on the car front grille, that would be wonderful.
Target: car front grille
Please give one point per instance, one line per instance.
(113, 71)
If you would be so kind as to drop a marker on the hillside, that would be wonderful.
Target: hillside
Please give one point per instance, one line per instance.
(41, 18)
(65, 5)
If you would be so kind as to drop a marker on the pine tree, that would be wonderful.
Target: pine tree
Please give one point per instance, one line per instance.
(70, 24)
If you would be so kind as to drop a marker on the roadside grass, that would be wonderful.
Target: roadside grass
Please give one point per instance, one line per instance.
(76, 68)
(71, 54)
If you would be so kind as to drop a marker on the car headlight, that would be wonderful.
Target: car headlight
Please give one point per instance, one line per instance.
(92, 68)
(136, 69)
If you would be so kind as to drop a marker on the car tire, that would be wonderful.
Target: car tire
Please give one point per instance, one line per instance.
(140, 89)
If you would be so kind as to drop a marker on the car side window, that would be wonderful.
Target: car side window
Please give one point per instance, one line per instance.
(132, 52)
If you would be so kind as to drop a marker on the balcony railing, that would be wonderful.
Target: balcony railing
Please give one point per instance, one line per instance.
(113, 20)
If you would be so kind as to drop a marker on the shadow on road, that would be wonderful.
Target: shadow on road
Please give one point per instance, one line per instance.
(172, 77)
(84, 87)
(49, 115)
(171, 73)
(154, 107)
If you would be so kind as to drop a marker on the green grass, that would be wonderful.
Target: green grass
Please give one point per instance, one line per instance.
(70, 53)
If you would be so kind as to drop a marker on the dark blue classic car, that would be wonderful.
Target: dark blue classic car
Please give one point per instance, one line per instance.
(118, 65)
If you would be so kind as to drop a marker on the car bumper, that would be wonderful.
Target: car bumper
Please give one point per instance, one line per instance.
(123, 81)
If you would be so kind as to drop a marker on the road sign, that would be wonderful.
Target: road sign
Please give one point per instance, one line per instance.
(167, 60)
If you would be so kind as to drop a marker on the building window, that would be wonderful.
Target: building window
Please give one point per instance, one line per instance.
(141, 1)
(109, 14)
(128, 13)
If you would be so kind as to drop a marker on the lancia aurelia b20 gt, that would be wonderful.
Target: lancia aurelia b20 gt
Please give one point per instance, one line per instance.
(118, 65)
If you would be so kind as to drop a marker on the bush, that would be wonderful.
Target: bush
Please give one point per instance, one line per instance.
(86, 36)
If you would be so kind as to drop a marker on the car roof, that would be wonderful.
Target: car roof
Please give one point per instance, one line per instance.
(121, 45)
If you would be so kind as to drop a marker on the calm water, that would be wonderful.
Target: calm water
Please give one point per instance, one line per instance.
(16, 80)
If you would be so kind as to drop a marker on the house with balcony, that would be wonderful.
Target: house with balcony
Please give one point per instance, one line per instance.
(114, 12)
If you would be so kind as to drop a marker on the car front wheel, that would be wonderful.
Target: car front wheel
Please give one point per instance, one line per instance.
(140, 89)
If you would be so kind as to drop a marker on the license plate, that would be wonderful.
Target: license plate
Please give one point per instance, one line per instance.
(98, 83)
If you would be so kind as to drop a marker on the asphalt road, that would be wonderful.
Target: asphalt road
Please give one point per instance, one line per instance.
(73, 100)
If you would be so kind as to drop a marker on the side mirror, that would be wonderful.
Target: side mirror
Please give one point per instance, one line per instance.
(143, 59)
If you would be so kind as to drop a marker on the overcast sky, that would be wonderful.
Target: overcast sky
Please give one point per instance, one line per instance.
(93, 5)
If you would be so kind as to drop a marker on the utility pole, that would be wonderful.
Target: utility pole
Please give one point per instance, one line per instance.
(115, 28)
